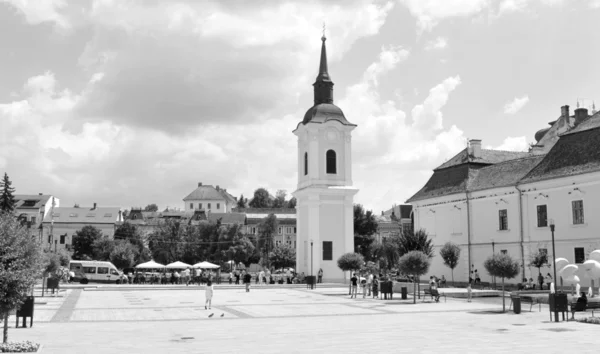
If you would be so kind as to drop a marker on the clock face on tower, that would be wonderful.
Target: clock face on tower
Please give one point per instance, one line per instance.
(332, 135)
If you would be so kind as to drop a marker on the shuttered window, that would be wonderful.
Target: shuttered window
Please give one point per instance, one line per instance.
(327, 250)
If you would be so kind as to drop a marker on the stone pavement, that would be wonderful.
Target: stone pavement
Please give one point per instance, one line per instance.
(295, 320)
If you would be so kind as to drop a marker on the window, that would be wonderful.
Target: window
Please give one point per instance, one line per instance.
(33, 219)
(289, 243)
(327, 250)
(49, 238)
(29, 203)
(579, 255)
(199, 205)
(503, 219)
(294, 244)
(503, 251)
(294, 230)
(305, 163)
(577, 211)
(89, 270)
(280, 230)
(102, 270)
(218, 205)
(253, 230)
(330, 156)
(113, 272)
(542, 216)
(62, 239)
(191, 205)
(407, 227)
(208, 206)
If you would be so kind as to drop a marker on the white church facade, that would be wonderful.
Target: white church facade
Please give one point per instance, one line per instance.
(325, 216)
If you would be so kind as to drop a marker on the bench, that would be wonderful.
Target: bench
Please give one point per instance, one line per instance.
(432, 293)
(528, 299)
(580, 307)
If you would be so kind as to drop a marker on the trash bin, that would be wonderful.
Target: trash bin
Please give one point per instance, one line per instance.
(26, 310)
(404, 291)
(516, 300)
(311, 280)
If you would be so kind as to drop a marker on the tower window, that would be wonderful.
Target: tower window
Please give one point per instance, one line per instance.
(331, 169)
(305, 163)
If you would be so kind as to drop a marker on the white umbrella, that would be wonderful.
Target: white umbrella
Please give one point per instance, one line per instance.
(206, 265)
(149, 265)
(561, 263)
(567, 271)
(177, 265)
(595, 255)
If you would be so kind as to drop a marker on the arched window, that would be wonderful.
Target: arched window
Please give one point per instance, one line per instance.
(305, 163)
(331, 169)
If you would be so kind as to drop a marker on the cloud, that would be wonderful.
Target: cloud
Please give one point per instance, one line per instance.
(427, 117)
(516, 105)
(513, 144)
(36, 12)
(430, 12)
(438, 43)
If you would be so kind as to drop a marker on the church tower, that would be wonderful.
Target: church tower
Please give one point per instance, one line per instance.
(325, 207)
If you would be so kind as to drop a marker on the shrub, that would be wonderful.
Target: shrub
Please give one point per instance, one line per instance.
(19, 347)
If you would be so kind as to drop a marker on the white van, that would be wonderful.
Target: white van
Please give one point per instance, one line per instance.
(95, 271)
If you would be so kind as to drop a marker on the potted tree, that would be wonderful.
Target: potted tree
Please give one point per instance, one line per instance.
(415, 263)
(350, 262)
(502, 266)
(450, 253)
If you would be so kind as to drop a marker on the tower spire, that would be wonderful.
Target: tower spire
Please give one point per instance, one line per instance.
(323, 86)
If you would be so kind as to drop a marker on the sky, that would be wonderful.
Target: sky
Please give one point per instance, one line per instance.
(129, 102)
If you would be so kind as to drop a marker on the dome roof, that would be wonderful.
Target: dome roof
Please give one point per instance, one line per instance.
(324, 112)
(540, 133)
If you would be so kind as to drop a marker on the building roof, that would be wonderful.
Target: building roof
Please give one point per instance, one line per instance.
(573, 154)
(590, 122)
(488, 157)
(228, 218)
(205, 192)
(266, 211)
(100, 215)
(502, 174)
(445, 182)
(27, 201)
(325, 112)
(401, 211)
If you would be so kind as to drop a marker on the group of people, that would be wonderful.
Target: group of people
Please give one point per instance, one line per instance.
(266, 277)
(368, 284)
(187, 276)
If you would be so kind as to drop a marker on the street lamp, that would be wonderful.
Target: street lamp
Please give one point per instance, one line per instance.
(311, 257)
(554, 268)
(493, 253)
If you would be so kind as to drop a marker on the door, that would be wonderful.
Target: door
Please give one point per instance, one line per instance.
(114, 275)
(103, 274)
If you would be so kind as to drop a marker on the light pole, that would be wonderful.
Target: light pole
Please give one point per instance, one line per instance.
(311, 257)
(554, 268)
(493, 253)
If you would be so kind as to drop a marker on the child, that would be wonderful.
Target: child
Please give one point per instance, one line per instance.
(469, 292)
(209, 294)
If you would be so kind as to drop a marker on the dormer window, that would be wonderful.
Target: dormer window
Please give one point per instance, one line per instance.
(331, 162)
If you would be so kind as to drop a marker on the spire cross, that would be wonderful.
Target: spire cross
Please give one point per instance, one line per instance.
(323, 38)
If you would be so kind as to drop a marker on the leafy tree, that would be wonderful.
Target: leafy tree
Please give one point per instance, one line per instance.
(241, 251)
(283, 256)
(267, 229)
(261, 199)
(151, 207)
(279, 201)
(503, 266)
(20, 265)
(415, 241)
(241, 203)
(7, 199)
(50, 264)
(64, 257)
(131, 233)
(291, 203)
(365, 227)
(83, 242)
(102, 248)
(351, 262)
(123, 254)
(166, 243)
(450, 253)
(415, 263)
(386, 253)
(538, 260)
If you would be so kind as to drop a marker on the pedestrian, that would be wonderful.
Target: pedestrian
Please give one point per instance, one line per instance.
(369, 283)
(541, 281)
(208, 294)
(230, 278)
(261, 275)
(469, 292)
(354, 288)
(247, 280)
(477, 279)
(320, 276)
(268, 276)
(548, 280)
(375, 287)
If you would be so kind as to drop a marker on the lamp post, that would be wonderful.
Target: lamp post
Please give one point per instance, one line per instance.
(493, 253)
(554, 268)
(311, 257)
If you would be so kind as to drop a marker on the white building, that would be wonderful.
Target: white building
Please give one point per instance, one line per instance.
(209, 198)
(32, 209)
(486, 200)
(325, 193)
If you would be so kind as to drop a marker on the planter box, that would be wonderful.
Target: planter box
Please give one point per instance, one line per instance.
(39, 350)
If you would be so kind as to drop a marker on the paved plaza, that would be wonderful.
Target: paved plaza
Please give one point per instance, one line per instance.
(289, 320)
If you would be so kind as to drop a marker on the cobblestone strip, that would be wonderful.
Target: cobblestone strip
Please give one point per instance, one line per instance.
(66, 310)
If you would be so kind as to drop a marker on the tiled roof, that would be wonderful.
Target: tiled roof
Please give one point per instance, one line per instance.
(487, 157)
(205, 192)
(573, 154)
(401, 211)
(228, 197)
(502, 174)
(228, 218)
(323, 113)
(100, 215)
(445, 181)
(24, 201)
(266, 211)
(591, 122)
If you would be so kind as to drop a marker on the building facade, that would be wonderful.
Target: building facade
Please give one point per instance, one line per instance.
(209, 198)
(32, 209)
(394, 221)
(324, 194)
(490, 201)
(286, 218)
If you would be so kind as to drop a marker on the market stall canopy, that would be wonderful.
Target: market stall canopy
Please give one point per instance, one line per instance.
(150, 265)
(206, 265)
(591, 268)
(177, 265)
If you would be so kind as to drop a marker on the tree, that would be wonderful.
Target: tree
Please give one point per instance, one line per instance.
(386, 253)
(102, 249)
(261, 199)
(450, 253)
(123, 254)
(279, 201)
(291, 203)
(241, 203)
(350, 262)
(7, 199)
(83, 242)
(267, 229)
(241, 251)
(64, 257)
(130, 232)
(415, 263)
(503, 266)
(538, 260)
(415, 241)
(365, 226)
(166, 243)
(20, 265)
(151, 207)
(283, 256)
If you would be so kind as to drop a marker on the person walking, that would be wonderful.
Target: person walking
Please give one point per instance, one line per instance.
(261, 275)
(541, 281)
(549, 280)
(230, 278)
(369, 283)
(237, 277)
(375, 287)
(354, 281)
(247, 280)
(469, 292)
(208, 294)
(320, 276)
